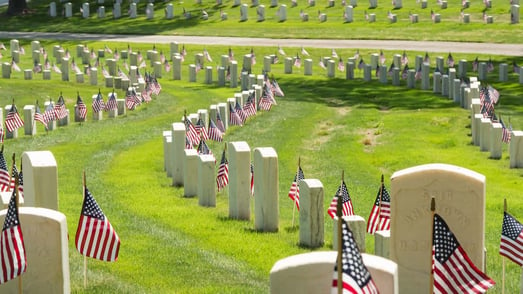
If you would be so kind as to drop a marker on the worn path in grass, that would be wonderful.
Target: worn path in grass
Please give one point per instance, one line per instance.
(428, 46)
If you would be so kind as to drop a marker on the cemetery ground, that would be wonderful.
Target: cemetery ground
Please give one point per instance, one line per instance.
(171, 244)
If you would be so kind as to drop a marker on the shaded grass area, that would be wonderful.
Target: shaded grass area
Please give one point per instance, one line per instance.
(169, 242)
(451, 27)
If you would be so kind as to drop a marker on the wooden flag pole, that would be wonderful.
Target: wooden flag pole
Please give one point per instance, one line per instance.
(85, 257)
(340, 237)
(295, 190)
(503, 259)
(433, 211)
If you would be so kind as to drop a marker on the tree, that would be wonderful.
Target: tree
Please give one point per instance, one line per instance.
(16, 7)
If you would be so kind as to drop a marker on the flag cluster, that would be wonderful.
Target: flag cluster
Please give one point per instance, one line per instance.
(379, 218)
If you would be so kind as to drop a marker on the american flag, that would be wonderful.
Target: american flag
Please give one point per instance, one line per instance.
(98, 103)
(111, 103)
(121, 73)
(201, 130)
(157, 88)
(203, 148)
(265, 103)
(239, 110)
(361, 64)
(187, 143)
(417, 75)
(252, 179)
(214, 133)
(276, 88)
(49, 114)
(382, 55)
(297, 61)
(234, 118)
(81, 108)
(222, 179)
(219, 122)
(15, 66)
(321, 63)
(191, 132)
(95, 236)
(250, 105)
(346, 202)
(5, 179)
(379, 218)
(341, 65)
(450, 60)
(404, 58)
(487, 107)
(505, 133)
(452, 268)
(13, 120)
(39, 117)
(231, 54)
(130, 100)
(167, 66)
(60, 111)
(356, 277)
(511, 245)
(304, 52)
(207, 55)
(490, 65)
(280, 50)
(294, 191)
(37, 68)
(12, 249)
(426, 59)
(494, 94)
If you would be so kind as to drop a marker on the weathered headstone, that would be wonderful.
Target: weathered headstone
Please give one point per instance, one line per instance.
(40, 179)
(367, 73)
(411, 78)
(288, 63)
(382, 243)
(85, 10)
(234, 74)
(516, 149)
(223, 109)
(357, 225)
(514, 13)
(482, 71)
(68, 10)
(46, 249)
(167, 154)
(52, 9)
(266, 208)
(495, 140)
(206, 180)
(312, 273)
(503, 72)
(190, 169)
(117, 10)
(243, 12)
(459, 196)
(436, 84)
(132, 10)
(311, 213)
(484, 134)
(29, 122)
(239, 155)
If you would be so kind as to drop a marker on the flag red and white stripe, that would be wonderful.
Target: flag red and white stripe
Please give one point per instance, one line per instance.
(13, 261)
(511, 245)
(294, 191)
(379, 218)
(347, 208)
(95, 236)
(453, 270)
(222, 179)
(13, 120)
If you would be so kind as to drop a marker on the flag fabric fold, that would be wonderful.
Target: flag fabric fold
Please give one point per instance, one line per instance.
(356, 277)
(347, 208)
(222, 179)
(95, 236)
(294, 191)
(379, 218)
(453, 270)
(13, 120)
(511, 245)
(13, 261)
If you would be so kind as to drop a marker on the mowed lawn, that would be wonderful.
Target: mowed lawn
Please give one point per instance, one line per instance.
(172, 245)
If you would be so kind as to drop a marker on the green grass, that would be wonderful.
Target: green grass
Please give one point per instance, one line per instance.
(170, 244)
(451, 27)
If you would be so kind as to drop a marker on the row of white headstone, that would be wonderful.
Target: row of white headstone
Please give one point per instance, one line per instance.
(281, 13)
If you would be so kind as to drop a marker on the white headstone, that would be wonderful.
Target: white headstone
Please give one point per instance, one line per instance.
(206, 180)
(190, 169)
(311, 213)
(47, 252)
(239, 156)
(40, 179)
(178, 147)
(266, 207)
